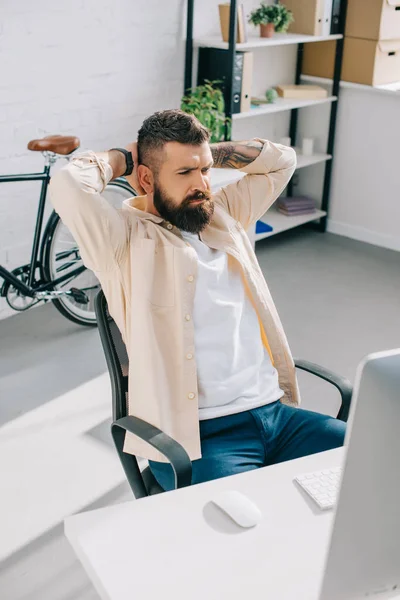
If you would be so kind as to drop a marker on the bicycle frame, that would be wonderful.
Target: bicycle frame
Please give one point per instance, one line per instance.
(9, 277)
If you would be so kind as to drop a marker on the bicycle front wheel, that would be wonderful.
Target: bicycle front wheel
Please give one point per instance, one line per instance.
(61, 254)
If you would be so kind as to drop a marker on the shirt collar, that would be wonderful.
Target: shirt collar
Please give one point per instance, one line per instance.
(138, 204)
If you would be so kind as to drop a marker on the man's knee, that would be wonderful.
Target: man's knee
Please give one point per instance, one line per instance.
(333, 432)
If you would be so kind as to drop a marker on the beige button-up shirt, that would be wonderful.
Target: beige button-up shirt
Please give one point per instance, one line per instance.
(148, 274)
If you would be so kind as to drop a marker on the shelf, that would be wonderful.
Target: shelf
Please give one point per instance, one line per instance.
(282, 223)
(308, 161)
(279, 39)
(280, 105)
(222, 177)
(390, 88)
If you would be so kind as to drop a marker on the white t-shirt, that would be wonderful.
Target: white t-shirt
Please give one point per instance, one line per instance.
(234, 369)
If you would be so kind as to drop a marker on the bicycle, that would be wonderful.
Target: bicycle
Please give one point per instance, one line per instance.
(55, 261)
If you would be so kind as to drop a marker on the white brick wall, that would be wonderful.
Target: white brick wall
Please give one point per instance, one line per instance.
(93, 68)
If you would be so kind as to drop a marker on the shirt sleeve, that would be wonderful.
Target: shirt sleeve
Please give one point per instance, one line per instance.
(98, 228)
(266, 177)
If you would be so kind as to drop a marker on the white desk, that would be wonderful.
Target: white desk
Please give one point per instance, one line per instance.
(177, 546)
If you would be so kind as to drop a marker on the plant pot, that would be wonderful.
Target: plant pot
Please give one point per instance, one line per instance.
(267, 30)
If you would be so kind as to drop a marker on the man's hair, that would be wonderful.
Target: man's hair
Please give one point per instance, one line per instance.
(168, 126)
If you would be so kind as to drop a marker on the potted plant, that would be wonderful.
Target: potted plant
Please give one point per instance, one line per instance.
(271, 18)
(206, 102)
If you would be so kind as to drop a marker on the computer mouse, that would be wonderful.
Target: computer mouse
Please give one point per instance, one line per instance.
(238, 507)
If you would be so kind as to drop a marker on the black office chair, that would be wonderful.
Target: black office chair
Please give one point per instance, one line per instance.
(143, 482)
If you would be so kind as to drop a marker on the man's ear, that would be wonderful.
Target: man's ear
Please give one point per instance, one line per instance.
(146, 179)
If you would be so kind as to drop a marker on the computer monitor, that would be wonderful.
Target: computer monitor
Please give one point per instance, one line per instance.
(363, 560)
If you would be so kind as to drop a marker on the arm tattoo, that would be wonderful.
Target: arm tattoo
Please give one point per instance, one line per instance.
(235, 155)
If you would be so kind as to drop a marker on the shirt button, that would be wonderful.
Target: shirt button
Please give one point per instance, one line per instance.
(190, 278)
(187, 317)
(191, 396)
(189, 356)
(169, 226)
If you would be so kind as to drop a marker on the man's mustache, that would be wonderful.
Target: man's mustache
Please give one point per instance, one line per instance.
(198, 196)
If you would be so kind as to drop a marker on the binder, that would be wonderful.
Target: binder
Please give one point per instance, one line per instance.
(309, 16)
(224, 18)
(327, 18)
(335, 20)
(214, 66)
(247, 81)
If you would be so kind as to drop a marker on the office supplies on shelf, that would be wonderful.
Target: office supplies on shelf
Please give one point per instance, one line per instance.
(301, 91)
(262, 227)
(259, 109)
(335, 17)
(374, 20)
(327, 17)
(224, 18)
(310, 16)
(307, 147)
(368, 62)
(214, 66)
(296, 205)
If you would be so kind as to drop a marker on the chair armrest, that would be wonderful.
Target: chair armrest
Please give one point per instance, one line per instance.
(171, 449)
(341, 383)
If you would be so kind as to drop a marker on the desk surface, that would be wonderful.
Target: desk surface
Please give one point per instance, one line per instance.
(177, 545)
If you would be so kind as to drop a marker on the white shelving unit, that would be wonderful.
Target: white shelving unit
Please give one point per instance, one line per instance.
(223, 177)
(279, 39)
(390, 88)
(308, 161)
(281, 222)
(280, 105)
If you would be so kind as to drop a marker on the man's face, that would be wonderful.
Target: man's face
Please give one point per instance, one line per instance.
(182, 192)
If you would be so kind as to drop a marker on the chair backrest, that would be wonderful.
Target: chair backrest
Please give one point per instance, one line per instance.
(116, 356)
(143, 482)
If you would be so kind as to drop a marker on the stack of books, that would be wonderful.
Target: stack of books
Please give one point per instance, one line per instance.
(296, 205)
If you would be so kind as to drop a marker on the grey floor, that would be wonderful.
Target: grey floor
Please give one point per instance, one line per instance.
(338, 300)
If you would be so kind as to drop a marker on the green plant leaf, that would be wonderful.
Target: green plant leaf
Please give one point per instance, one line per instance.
(206, 102)
(277, 14)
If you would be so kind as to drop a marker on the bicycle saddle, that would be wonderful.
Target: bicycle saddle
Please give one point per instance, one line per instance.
(60, 144)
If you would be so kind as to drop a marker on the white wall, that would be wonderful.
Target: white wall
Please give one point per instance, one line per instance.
(365, 201)
(365, 192)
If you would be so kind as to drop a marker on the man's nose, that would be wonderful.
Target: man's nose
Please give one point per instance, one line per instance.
(201, 182)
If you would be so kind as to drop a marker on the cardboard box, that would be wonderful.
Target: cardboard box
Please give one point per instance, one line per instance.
(367, 62)
(224, 20)
(305, 92)
(311, 17)
(319, 59)
(373, 19)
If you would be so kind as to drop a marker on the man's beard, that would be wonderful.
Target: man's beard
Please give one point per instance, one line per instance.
(188, 217)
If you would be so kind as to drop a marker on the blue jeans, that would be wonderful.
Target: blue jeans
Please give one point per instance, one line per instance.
(256, 438)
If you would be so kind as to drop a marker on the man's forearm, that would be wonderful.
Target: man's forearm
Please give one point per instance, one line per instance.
(235, 155)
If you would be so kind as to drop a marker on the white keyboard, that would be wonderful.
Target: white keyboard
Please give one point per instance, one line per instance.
(322, 486)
